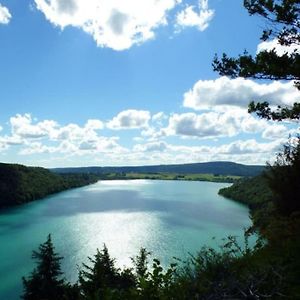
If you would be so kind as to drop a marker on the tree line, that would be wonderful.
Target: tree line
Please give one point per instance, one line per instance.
(20, 184)
(235, 272)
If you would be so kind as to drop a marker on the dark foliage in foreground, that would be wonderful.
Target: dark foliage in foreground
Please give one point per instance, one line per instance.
(44, 282)
(234, 272)
(20, 184)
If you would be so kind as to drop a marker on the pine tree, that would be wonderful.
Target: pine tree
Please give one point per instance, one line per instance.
(45, 281)
(97, 279)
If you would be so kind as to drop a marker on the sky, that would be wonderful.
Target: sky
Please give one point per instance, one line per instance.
(113, 82)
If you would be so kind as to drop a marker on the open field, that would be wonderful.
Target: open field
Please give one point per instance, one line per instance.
(171, 176)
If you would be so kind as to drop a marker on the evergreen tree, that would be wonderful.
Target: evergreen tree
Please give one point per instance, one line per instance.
(102, 280)
(141, 263)
(45, 281)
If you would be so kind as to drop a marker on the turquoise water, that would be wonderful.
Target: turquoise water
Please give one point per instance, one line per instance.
(169, 218)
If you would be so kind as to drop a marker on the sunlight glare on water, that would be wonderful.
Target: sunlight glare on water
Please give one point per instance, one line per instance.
(168, 218)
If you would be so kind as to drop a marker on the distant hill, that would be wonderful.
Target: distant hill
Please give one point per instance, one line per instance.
(20, 184)
(221, 168)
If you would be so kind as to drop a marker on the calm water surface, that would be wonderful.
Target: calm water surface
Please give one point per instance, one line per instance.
(169, 218)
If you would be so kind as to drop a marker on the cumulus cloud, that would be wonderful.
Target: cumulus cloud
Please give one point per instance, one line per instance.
(37, 148)
(130, 119)
(249, 146)
(199, 17)
(5, 15)
(22, 126)
(209, 94)
(50, 139)
(243, 151)
(159, 117)
(112, 23)
(212, 124)
(151, 147)
(251, 124)
(275, 131)
(279, 49)
(206, 125)
(35, 137)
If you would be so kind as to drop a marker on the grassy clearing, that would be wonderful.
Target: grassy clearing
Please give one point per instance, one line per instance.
(172, 176)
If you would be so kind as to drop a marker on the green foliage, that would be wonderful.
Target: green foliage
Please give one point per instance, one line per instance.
(175, 176)
(282, 17)
(233, 272)
(102, 279)
(283, 24)
(155, 284)
(264, 111)
(283, 178)
(265, 65)
(20, 184)
(141, 263)
(44, 282)
(251, 191)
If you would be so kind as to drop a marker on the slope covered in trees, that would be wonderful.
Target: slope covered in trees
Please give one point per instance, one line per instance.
(218, 167)
(250, 191)
(20, 184)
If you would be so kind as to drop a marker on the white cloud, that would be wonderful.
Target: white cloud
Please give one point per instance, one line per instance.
(208, 94)
(206, 125)
(279, 49)
(94, 124)
(115, 24)
(213, 124)
(130, 119)
(151, 147)
(275, 131)
(37, 148)
(199, 18)
(243, 151)
(67, 143)
(249, 146)
(5, 15)
(11, 140)
(159, 118)
(70, 139)
(22, 126)
(251, 124)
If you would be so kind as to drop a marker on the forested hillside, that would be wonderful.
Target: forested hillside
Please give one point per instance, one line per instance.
(218, 167)
(250, 191)
(21, 184)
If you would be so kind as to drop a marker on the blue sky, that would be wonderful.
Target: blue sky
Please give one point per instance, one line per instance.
(111, 82)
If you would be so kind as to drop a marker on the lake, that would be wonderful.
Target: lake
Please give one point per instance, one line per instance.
(169, 218)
